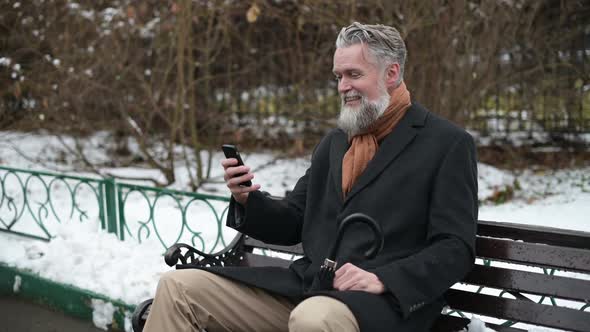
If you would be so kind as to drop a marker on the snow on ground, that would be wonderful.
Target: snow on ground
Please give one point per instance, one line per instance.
(559, 198)
(81, 254)
(85, 256)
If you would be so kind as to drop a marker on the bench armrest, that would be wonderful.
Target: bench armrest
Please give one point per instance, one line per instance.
(192, 257)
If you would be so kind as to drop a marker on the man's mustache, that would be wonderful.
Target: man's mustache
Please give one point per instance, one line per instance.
(351, 94)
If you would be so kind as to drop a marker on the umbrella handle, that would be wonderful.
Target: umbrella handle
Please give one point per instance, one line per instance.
(365, 219)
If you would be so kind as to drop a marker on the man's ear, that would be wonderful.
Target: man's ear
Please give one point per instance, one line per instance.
(392, 75)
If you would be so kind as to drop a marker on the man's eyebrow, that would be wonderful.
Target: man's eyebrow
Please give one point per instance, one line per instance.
(347, 71)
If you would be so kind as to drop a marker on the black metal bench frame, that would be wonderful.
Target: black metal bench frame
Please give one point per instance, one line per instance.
(546, 250)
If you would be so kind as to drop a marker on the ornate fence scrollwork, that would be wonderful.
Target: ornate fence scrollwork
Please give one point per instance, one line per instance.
(201, 227)
(32, 203)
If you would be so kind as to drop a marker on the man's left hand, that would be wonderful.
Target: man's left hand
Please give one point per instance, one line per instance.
(351, 277)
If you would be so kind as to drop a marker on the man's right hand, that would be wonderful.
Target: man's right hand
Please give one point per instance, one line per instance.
(240, 193)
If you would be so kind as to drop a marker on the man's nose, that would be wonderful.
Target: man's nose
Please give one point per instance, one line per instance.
(344, 85)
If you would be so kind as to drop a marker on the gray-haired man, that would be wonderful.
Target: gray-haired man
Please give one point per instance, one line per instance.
(389, 158)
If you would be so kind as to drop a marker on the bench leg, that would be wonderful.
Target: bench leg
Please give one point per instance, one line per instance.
(140, 315)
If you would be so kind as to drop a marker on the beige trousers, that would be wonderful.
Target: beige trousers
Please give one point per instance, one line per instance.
(192, 300)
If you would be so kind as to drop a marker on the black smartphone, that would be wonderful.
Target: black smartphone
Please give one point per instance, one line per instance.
(231, 151)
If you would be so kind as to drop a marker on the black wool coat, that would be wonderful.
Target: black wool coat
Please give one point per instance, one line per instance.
(421, 186)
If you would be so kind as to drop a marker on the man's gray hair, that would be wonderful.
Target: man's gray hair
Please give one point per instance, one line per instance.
(384, 42)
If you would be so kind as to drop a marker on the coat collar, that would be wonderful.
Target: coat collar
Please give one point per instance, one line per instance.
(390, 147)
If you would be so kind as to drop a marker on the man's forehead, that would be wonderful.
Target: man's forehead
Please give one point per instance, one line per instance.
(352, 57)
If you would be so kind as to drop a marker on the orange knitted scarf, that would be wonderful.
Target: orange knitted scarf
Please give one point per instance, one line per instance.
(363, 147)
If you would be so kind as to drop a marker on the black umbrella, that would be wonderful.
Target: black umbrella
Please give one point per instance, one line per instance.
(325, 277)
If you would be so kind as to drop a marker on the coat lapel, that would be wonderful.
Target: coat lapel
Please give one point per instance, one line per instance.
(390, 148)
(338, 148)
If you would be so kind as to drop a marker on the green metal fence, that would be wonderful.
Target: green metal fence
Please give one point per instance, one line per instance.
(172, 216)
(34, 203)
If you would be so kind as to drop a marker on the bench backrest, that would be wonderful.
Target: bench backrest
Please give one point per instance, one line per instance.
(529, 274)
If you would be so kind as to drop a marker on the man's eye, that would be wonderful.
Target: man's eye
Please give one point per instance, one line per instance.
(355, 75)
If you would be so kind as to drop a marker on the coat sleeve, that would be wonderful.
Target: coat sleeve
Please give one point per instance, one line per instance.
(450, 252)
(270, 220)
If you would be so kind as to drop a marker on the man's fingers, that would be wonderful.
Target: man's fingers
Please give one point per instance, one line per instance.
(350, 277)
(349, 284)
(345, 275)
(229, 162)
(236, 190)
(240, 172)
(343, 269)
(233, 171)
(237, 180)
(234, 176)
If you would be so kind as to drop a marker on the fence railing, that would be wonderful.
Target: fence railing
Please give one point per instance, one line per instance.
(35, 203)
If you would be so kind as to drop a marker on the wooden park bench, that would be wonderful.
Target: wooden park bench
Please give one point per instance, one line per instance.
(530, 284)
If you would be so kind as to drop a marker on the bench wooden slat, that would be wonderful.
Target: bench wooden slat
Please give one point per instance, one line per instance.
(453, 323)
(534, 254)
(530, 282)
(523, 311)
(253, 243)
(259, 260)
(534, 234)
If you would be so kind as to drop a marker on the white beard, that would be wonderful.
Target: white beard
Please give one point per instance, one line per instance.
(355, 120)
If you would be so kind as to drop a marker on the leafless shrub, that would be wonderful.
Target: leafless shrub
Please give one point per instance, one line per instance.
(197, 73)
